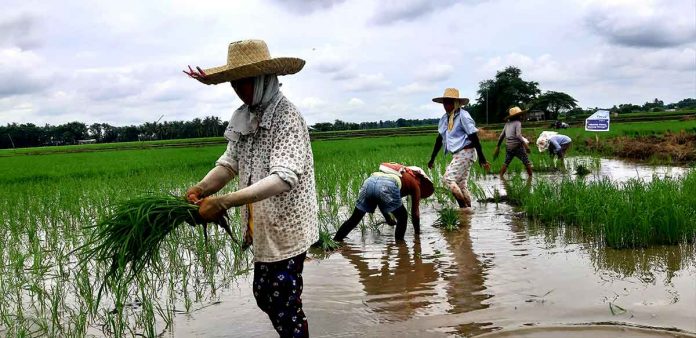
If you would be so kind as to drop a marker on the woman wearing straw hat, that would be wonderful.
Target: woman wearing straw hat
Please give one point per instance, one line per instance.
(384, 189)
(269, 150)
(515, 144)
(457, 131)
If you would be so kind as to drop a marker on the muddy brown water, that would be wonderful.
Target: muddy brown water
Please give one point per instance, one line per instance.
(497, 275)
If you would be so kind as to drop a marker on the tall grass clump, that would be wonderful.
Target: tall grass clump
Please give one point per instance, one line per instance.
(622, 215)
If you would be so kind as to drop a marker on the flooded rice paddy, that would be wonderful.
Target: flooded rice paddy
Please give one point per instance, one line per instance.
(498, 272)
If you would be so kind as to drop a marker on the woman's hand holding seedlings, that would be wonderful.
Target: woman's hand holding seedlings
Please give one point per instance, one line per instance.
(194, 194)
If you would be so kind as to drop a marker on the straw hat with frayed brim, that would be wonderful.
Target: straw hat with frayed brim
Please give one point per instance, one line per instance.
(514, 111)
(451, 93)
(249, 58)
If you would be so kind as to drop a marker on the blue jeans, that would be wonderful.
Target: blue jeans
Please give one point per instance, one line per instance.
(380, 192)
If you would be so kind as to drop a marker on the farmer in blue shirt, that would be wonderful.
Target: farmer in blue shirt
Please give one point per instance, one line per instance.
(557, 145)
(457, 131)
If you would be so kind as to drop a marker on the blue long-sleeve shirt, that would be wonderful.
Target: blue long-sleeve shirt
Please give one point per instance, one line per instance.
(457, 138)
(557, 141)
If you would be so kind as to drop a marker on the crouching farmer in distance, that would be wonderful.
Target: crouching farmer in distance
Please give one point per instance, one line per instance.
(384, 189)
(556, 144)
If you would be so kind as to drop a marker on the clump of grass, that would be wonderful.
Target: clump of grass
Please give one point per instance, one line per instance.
(629, 215)
(129, 237)
(326, 241)
(581, 170)
(448, 219)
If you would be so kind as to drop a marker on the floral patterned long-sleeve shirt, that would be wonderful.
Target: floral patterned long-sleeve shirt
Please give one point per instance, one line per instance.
(284, 225)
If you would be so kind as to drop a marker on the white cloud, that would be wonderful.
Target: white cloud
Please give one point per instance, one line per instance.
(610, 75)
(643, 23)
(307, 6)
(542, 68)
(327, 60)
(391, 11)
(367, 82)
(22, 72)
(19, 31)
(414, 88)
(311, 103)
(435, 72)
(356, 102)
(108, 84)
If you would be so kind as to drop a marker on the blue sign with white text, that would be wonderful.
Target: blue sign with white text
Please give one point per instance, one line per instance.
(599, 121)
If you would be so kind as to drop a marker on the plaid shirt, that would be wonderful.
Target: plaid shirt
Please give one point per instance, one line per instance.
(285, 225)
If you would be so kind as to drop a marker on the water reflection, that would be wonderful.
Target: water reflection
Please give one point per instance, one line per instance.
(399, 282)
(465, 275)
(644, 264)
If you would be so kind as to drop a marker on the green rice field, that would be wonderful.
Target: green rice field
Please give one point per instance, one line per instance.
(50, 199)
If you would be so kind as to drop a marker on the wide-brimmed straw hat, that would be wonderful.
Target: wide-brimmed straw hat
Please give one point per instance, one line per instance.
(514, 111)
(452, 93)
(249, 58)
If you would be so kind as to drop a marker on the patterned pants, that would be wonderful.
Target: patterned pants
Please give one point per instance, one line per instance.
(457, 174)
(278, 291)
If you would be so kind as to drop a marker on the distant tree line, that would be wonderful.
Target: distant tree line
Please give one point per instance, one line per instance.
(342, 125)
(656, 105)
(30, 135)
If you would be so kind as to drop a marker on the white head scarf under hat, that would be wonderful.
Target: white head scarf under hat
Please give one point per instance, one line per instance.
(421, 172)
(543, 140)
(245, 118)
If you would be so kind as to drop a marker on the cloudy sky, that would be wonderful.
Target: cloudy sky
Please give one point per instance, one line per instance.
(120, 62)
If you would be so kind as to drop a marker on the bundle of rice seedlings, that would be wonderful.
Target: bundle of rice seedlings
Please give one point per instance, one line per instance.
(129, 237)
(448, 219)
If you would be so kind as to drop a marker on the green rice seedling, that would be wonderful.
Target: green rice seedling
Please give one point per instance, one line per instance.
(581, 170)
(477, 193)
(326, 241)
(629, 215)
(448, 219)
(130, 236)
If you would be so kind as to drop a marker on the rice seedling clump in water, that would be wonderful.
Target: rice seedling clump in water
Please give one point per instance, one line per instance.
(448, 219)
(129, 237)
(581, 170)
(326, 241)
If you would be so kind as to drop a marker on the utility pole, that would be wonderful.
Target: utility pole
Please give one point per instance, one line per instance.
(158, 130)
(10, 136)
(486, 105)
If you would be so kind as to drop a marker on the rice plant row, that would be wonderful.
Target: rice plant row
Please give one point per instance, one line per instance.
(628, 215)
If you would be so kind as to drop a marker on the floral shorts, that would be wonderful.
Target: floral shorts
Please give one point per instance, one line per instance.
(278, 290)
(457, 173)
